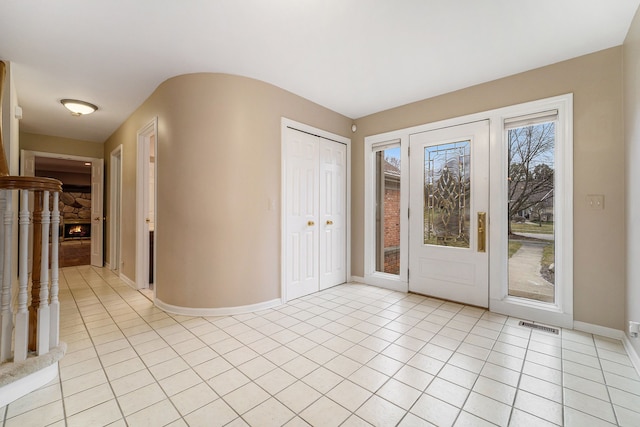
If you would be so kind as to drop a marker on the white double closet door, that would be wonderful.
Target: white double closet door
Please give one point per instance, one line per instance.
(315, 213)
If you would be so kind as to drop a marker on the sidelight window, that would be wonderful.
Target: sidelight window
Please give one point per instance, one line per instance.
(387, 199)
(531, 189)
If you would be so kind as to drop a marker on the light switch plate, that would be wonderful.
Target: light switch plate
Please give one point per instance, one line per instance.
(595, 201)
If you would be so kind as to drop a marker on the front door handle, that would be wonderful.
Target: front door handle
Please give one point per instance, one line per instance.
(482, 231)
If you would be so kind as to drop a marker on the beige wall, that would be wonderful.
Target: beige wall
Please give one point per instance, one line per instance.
(632, 139)
(11, 125)
(58, 145)
(218, 164)
(596, 82)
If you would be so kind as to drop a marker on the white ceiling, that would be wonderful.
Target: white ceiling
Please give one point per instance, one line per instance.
(355, 57)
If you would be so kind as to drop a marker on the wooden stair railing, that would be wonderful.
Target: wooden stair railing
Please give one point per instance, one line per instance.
(36, 327)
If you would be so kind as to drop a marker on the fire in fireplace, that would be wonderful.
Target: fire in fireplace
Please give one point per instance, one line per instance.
(76, 229)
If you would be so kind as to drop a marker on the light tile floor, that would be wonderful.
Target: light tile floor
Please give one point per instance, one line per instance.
(352, 355)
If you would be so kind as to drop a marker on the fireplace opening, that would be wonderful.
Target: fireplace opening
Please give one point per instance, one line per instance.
(77, 229)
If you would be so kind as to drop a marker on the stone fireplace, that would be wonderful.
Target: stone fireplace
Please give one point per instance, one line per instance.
(75, 204)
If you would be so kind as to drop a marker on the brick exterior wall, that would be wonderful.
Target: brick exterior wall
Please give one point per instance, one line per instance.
(392, 227)
(392, 260)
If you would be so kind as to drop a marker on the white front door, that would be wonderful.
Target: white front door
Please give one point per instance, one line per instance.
(315, 213)
(97, 229)
(449, 213)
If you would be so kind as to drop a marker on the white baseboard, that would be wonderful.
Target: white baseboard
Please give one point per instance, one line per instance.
(615, 334)
(128, 281)
(16, 389)
(383, 282)
(107, 265)
(631, 351)
(220, 311)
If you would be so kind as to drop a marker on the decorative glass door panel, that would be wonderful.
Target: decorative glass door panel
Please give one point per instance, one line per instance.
(447, 194)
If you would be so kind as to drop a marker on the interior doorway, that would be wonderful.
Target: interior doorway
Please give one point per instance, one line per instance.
(81, 217)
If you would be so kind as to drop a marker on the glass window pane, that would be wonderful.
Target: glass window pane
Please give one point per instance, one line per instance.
(531, 212)
(388, 210)
(447, 193)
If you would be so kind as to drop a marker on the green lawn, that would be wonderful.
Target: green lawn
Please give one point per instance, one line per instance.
(546, 228)
(548, 255)
(514, 245)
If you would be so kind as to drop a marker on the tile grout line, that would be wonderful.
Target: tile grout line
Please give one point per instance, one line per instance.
(303, 355)
(520, 374)
(606, 385)
(192, 368)
(345, 312)
(374, 393)
(446, 362)
(94, 347)
(132, 346)
(484, 363)
(64, 409)
(416, 352)
(320, 366)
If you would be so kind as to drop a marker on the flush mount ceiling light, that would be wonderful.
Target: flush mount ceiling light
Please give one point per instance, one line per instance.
(78, 108)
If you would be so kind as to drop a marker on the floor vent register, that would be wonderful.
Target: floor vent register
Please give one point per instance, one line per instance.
(540, 327)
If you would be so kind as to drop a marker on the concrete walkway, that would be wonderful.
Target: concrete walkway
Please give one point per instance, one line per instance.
(539, 236)
(525, 279)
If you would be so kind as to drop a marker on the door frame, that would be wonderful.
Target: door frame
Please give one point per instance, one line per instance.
(142, 191)
(115, 208)
(30, 155)
(288, 123)
(560, 313)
